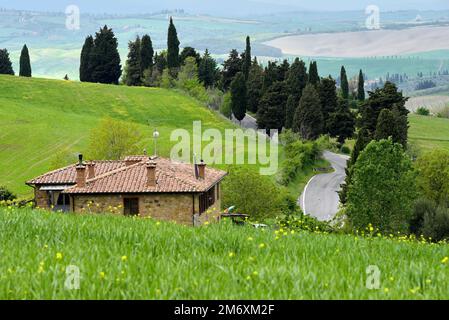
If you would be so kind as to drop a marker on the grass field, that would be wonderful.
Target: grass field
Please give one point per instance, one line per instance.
(125, 258)
(40, 118)
(429, 132)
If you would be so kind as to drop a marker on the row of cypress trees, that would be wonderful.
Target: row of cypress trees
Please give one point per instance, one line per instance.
(25, 63)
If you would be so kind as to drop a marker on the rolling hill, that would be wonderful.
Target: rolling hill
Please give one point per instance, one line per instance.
(41, 118)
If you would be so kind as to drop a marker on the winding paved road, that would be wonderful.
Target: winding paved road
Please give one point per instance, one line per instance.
(320, 198)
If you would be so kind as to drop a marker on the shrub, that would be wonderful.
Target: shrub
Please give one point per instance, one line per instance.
(422, 111)
(430, 220)
(345, 150)
(252, 194)
(433, 176)
(382, 188)
(225, 108)
(298, 222)
(298, 155)
(6, 195)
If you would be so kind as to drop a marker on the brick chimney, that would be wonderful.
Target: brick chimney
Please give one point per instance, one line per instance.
(202, 170)
(151, 174)
(81, 175)
(91, 170)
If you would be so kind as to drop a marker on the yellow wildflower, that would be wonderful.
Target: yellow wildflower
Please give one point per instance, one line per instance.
(231, 254)
(102, 275)
(445, 260)
(262, 245)
(59, 256)
(124, 258)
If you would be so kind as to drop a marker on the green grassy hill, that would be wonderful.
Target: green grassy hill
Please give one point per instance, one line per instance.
(125, 258)
(429, 132)
(40, 118)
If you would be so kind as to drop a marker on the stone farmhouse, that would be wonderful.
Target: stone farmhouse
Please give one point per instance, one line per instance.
(138, 185)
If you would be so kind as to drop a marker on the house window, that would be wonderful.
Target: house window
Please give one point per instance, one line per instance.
(207, 200)
(131, 206)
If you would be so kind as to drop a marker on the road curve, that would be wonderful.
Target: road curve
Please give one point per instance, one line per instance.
(320, 198)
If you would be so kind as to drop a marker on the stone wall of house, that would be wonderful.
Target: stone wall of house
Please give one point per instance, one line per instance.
(177, 207)
(41, 198)
(169, 207)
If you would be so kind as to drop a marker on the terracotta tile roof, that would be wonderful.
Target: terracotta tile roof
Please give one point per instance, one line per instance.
(67, 175)
(171, 177)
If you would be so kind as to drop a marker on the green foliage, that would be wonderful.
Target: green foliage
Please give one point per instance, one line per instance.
(301, 222)
(133, 75)
(254, 86)
(6, 195)
(172, 47)
(290, 110)
(298, 155)
(25, 63)
(166, 80)
(5, 63)
(382, 189)
(422, 111)
(86, 63)
(314, 77)
(433, 176)
(341, 123)
(231, 67)
(271, 111)
(327, 91)
(308, 120)
(344, 84)
(297, 78)
(238, 96)
(361, 87)
(252, 194)
(188, 80)
(391, 124)
(189, 52)
(146, 54)
(247, 58)
(226, 107)
(105, 58)
(430, 221)
(207, 70)
(113, 140)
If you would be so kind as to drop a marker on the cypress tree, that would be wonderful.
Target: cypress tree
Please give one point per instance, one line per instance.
(231, 67)
(146, 53)
(25, 64)
(105, 58)
(5, 63)
(308, 120)
(341, 123)
(172, 47)
(391, 124)
(314, 77)
(254, 85)
(271, 113)
(86, 60)
(361, 87)
(344, 84)
(207, 70)
(297, 78)
(133, 66)
(290, 110)
(238, 96)
(328, 96)
(247, 58)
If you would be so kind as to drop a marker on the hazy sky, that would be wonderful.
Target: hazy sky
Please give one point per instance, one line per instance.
(220, 7)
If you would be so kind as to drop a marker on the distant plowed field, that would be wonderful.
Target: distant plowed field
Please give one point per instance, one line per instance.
(365, 43)
(433, 103)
